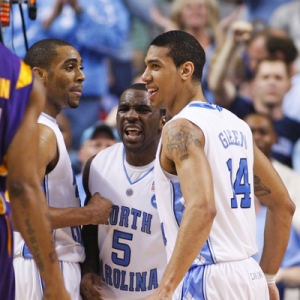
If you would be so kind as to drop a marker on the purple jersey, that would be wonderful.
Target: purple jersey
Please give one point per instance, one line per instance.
(15, 87)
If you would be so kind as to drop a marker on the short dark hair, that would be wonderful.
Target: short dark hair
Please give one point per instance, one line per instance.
(183, 47)
(137, 86)
(42, 53)
(283, 47)
(142, 87)
(277, 43)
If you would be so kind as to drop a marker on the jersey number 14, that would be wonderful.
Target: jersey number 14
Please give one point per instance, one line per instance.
(240, 184)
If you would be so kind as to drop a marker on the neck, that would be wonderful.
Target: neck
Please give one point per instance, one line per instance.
(144, 156)
(51, 110)
(192, 93)
(139, 159)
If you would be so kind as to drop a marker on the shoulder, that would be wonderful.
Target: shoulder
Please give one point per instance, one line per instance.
(180, 134)
(47, 140)
(104, 159)
(112, 152)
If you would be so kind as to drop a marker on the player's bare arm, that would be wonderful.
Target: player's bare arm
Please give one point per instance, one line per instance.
(96, 212)
(271, 191)
(90, 285)
(30, 218)
(183, 149)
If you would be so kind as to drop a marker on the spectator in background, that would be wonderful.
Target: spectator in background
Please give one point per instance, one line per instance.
(260, 9)
(94, 139)
(122, 62)
(272, 74)
(265, 137)
(287, 18)
(96, 28)
(253, 43)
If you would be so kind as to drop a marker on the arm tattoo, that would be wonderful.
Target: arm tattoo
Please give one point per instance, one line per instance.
(34, 246)
(179, 140)
(259, 188)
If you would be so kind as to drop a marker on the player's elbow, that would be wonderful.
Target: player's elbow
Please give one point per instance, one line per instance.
(210, 212)
(291, 207)
(287, 206)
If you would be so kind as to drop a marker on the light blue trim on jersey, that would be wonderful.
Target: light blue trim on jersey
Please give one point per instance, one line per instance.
(206, 105)
(206, 256)
(42, 283)
(194, 284)
(26, 252)
(128, 178)
(178, 202)
(209, 246)
(46, 189)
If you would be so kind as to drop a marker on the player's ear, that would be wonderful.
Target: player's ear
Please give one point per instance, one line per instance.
(162, 122)
(41, 73)
(187, 70)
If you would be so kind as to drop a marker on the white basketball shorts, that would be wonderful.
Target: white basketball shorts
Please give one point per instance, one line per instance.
(29, 285)
(237, 280)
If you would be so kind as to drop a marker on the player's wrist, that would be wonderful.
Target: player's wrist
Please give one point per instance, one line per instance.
(270, 278)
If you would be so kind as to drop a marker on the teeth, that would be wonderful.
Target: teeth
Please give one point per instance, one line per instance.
(151, 90)
(131, 129)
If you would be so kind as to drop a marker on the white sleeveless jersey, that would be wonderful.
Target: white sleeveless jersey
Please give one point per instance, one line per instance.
(61, 191)
(131, 250)
(229, 150)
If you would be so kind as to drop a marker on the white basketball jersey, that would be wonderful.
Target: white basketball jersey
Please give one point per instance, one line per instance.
(60, 191)
(132, 253)
(229, 150)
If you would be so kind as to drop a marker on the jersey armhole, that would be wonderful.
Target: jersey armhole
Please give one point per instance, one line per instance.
(85, 179)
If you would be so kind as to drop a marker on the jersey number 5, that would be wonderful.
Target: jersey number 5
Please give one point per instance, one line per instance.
(240, 185)
(125, 260)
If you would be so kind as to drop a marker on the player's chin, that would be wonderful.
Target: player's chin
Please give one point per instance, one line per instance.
(74, 103)
(132, 145)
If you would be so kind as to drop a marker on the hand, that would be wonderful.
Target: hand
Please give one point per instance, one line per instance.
(273, 291)
(241, 31)
(54, 293)
(90, 287)
(99, 209)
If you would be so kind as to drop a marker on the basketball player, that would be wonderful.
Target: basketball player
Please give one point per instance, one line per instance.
(21, 101)
(59, 66)
(207, 153)
(127, 251)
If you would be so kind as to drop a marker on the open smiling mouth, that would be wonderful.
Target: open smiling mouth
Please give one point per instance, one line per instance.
(151, 93)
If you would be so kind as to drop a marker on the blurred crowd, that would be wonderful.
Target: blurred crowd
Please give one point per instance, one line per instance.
(252, 68)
